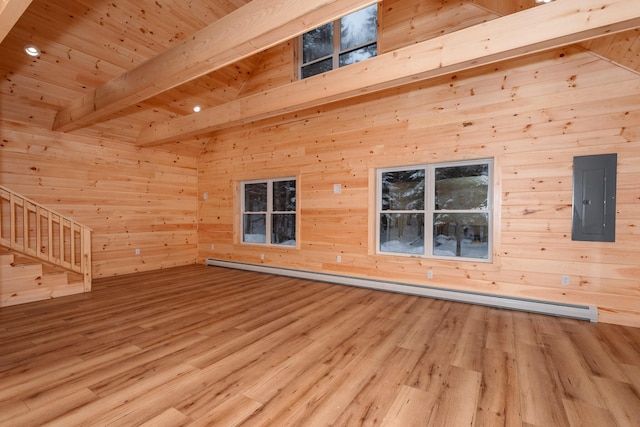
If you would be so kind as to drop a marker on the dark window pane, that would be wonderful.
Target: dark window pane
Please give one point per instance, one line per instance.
(255, 197)
(254, 228)
(284, 196)
(462, 187)
(359, 28)
(461, 235)
(358, 55)
(283, 229)
(317, 43)
(317, 68)
(402, 233)
(403, 190)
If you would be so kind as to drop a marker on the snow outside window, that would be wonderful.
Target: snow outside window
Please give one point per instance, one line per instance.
(439, 210)
(269, 211)
(350, 39)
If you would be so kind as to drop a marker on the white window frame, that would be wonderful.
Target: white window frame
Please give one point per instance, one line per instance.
(429, 209)
(269, 212)
(336, 52)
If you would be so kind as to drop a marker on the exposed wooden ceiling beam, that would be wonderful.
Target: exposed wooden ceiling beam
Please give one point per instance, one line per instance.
(533, 30)
(10, 12)
(250, 29)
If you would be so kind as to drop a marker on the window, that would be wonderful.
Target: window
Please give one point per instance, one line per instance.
(348, 40)
(269, 211)
(440, 210)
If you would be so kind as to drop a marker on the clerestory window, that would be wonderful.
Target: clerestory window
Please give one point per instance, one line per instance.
(350, 39)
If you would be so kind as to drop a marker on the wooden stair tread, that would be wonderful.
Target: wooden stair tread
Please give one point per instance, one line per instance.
(27, 279)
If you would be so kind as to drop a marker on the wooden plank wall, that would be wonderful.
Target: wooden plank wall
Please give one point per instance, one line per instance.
(131, 198)
(531, 115)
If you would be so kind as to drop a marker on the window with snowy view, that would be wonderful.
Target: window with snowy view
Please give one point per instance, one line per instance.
(269, 211)
(439, 210)
(348, 40)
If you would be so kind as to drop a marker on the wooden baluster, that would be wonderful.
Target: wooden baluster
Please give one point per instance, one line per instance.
(25, 226)
(86, 258)
(38, 247)
(60, 240)
(13, 232)
(50, 230)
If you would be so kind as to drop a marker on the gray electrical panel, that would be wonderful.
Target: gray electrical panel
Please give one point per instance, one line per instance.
(594, 198)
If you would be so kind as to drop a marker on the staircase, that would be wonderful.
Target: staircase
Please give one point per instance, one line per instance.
(43, 255)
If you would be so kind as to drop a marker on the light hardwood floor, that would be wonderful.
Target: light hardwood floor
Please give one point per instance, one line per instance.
(202, 345)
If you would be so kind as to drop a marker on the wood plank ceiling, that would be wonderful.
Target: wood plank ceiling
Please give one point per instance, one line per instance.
(86, 44)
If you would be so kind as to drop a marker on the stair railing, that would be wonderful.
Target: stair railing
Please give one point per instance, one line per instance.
(37, 231)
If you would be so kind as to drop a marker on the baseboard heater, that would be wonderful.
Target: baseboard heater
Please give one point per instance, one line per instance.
(582, 312)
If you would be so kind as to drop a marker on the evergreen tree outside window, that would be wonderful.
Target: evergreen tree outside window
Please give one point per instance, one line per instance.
(403, 211)
(439, 210)
(269, 211)
(350, 39)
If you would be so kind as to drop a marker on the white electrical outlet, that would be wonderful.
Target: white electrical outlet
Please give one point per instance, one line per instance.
(261, 257)
(337, 188)
(205, 195)
(565, 280)
(137, 251)
(429, 274)
(338, 259)
(212, 247)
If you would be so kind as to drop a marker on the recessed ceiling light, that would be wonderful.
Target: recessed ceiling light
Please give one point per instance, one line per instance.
(543, 1)
(196, 109)
(32, 50)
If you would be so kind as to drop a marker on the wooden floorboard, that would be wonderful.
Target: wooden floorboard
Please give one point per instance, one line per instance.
(208, 346)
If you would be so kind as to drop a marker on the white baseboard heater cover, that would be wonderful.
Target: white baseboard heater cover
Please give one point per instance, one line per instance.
(582, 312)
